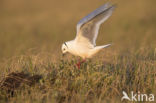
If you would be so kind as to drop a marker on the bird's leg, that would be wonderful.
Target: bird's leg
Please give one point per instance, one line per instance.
(80, 62)
(84, 60)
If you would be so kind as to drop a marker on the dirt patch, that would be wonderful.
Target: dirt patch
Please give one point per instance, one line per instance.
(15, 80)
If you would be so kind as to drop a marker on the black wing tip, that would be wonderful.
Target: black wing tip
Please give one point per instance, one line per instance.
(113, 6)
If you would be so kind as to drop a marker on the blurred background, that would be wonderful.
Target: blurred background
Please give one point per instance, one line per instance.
(42, 26)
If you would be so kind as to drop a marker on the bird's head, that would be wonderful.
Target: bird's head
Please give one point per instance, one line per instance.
(64, 48)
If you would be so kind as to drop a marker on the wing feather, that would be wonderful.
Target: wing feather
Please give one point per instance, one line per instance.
(87, 29)
(92, 15)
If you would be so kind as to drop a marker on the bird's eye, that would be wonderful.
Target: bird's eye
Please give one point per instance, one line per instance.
(64, 49)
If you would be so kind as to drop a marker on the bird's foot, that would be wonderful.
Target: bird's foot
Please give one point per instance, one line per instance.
(79, 63)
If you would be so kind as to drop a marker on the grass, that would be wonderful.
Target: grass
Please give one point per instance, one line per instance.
(93, 82)
(30, 42)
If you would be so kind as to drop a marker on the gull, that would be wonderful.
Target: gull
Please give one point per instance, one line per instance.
(84, 44)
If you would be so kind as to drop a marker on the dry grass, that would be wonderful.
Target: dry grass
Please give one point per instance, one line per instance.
(31, 33)
(94, 82)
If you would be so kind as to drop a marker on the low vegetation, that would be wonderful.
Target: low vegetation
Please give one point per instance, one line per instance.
(63, 82)
(33, 71)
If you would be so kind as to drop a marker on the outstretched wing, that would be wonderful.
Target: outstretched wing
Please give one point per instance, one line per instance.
(88, 27)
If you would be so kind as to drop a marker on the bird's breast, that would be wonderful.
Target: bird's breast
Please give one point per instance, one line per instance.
(81, 51)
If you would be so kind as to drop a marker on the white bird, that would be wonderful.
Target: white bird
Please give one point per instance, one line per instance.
(84, 44)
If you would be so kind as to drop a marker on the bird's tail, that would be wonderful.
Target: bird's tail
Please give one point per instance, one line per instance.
(105, 46)
(97, 49)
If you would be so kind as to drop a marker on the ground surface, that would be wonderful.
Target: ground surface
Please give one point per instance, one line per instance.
(33, 70)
